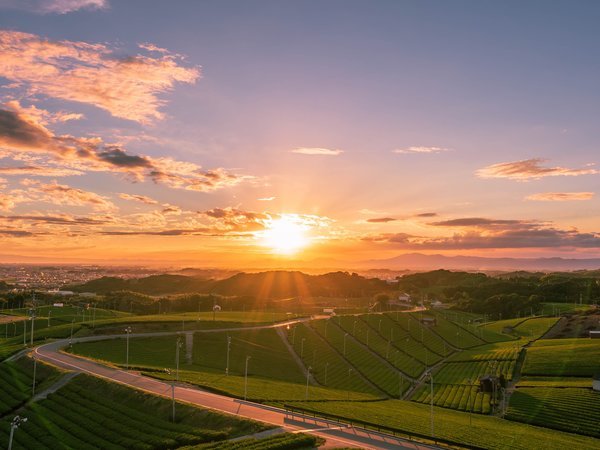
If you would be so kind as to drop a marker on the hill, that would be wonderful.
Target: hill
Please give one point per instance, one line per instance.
(264, 285)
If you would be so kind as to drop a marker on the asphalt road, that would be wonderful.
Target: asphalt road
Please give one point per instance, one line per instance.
(336, 435)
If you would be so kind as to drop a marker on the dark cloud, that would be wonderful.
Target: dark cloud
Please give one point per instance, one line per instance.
(475, 222)
(381, 220)
(427, 214)
(118, 157)
(15, 233)
(62, 219)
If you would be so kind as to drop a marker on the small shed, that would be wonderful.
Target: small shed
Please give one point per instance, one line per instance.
(596, 382)
(488, 383)
(595, 334)
(429, 321)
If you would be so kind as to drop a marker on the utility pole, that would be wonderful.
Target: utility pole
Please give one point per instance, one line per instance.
(128, 331)
(177, 347)
(246, 378)
(302, 348)
(25, 333)
(307, 378)
(326, 366)
(34, 371)
(16, 422)
(71, 338)
(228, 348)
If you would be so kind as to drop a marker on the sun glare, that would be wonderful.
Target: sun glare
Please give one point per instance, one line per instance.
(286, 235)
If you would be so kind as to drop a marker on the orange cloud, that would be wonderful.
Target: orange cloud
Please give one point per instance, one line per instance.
(529, 169)
(126, 87)
(138, 198)
(560, 196)
(61, 194)
(20, 130)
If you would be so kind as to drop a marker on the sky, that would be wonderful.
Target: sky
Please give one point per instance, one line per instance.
(249, 133)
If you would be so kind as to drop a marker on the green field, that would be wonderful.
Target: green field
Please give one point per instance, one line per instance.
(535, 328)
(485, 431)
(527, 381)
(455, 396)
(283, 441)
(571, 409)
(563, 357)
(498, 351)
(90, 413)
(273, 375)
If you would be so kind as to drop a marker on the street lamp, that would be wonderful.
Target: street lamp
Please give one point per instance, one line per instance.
(34, 370)
(380, 325)
(307, 378)
(49, 314)
(345, 336)
(33, 315)
(228, 348)
(349, 372)
(246, 378)
(354, 328)
(16, 423)
(71, 338)
(367, 338)
(168, 372)
(177, 347)
(25, 333)
(302, 348)
(128, 331)
(326, 366)
(430, 375)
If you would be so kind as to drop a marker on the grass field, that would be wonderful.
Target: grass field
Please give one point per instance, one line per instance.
(272, 373)
(535, 328)
(260, 389)
(284, 441)
(576, 357)
(571, 409)
(498, 351)
(485, 431)
(90, 413)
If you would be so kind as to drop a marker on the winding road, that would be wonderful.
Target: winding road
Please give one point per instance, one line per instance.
(336, 434)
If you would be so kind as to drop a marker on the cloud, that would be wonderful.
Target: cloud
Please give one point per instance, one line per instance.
(57, 219)
(482, 233)
(233, 219)
(61, 194)
(15, 233)
(477, 222)
(126, 87)
(529, 169)
(317, 151)
(427, 214)
(420, 149)
(138, 198)
(266, 199)
(381, 220)
(171, 209)
(20, 130)
(39, 171)
(54, 6)
(6, 202)
(560, 196)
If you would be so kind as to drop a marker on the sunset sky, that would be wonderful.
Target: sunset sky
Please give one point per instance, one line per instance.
(241, 133)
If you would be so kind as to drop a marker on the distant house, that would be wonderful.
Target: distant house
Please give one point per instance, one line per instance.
(508, 330)
(404, 298)
(596, 382)
(330, 311)
(216, 308)
(595, 334)
(436, 304)
(429, 321)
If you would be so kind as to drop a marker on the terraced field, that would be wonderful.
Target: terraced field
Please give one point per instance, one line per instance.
(576, 357)
(384, 347)
(16, 382)
(535, 328)
(500, 351)
(571, 409)
(377, 371)
(89, 413)
(284, 441)
(328, 367)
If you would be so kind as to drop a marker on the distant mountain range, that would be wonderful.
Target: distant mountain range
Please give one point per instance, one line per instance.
(419, 261)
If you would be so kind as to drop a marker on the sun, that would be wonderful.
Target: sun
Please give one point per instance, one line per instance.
(287, 235)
